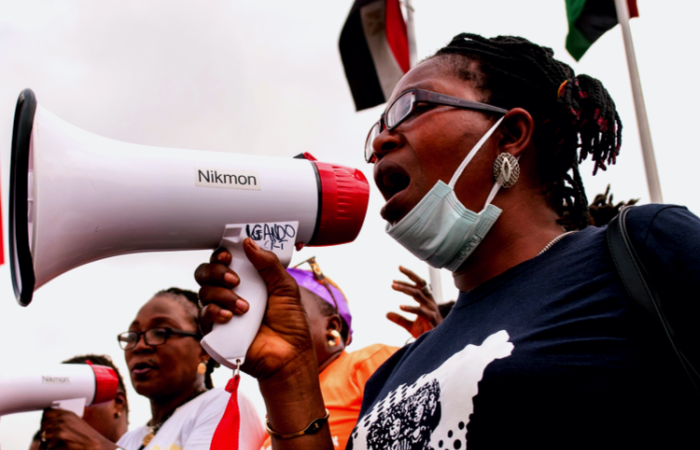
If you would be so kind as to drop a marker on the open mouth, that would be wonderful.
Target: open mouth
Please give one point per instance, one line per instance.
(391, 179)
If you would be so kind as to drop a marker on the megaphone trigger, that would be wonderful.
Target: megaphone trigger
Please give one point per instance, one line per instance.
(228, 343)
(74, 405)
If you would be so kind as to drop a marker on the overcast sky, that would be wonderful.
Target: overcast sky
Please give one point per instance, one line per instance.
(266, 78)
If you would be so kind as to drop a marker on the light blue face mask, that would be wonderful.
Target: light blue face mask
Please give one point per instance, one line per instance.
(439, 229)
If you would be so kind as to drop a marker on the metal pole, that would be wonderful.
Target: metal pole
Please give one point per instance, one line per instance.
(411, 29)
(435, 279)
(435, 283)
(623, 17)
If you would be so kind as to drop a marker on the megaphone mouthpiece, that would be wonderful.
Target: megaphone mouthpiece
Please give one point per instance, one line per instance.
(106, 383)
(345, 195)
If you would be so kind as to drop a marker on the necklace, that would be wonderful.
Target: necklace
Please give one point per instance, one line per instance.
(554, 241)
(154, 428)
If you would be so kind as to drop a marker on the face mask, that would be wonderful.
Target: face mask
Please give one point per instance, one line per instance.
(439, 229)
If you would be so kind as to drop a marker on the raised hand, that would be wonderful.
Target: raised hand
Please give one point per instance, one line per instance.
(427, 314)
(282, 355)
(284, 335)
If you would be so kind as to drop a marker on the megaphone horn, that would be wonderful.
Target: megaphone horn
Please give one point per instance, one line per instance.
(66, 386)
(76, 197)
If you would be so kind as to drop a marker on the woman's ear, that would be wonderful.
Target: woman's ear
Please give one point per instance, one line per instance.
(333, 327)
(333, 323)
(517, 131)
(120, 404)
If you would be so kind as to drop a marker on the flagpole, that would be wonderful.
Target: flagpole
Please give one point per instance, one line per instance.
(411, 30)
(433, 273)
(623, 17)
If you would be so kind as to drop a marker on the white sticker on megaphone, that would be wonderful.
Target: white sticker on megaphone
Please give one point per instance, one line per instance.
(272, 236)
(231, 179)
(277, 237)
(228, 343)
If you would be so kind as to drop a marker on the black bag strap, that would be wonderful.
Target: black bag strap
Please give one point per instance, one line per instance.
(635, 280)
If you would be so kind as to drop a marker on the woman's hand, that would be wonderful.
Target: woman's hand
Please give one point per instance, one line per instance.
(427, 314)
(63, 429)
(284, 336)
(282, 355)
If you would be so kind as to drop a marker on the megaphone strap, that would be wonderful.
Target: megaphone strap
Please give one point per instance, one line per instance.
(226, 434)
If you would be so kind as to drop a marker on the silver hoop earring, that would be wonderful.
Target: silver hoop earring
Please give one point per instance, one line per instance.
(506, 170)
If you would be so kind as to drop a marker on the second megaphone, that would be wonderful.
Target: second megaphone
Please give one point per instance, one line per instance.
(76, 197)
(67, 386)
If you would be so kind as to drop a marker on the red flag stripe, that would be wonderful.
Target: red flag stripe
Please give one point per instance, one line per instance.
(397, 34)
(2, 249)
(632, 7)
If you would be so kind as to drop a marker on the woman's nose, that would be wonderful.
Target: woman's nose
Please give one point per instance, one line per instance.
(386, 142)
(141, 344)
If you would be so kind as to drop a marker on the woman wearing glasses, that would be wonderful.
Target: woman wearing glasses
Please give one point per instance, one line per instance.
(168, 366)
(477, 156)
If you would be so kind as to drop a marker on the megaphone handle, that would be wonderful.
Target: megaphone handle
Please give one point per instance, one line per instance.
(228, 343)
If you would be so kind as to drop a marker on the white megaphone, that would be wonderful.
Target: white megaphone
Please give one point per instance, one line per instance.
(66, 386)
(76, 197)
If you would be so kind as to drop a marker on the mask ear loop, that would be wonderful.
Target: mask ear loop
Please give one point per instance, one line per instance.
(472, 154)
(492, 194)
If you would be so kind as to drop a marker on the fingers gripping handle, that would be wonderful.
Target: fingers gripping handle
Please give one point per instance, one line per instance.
(228, 343)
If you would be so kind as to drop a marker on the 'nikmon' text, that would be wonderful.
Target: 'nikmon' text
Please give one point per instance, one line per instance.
(231, 179)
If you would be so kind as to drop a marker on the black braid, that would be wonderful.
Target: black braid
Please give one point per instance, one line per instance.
(603, 209)
(574, 116)
(193, 299)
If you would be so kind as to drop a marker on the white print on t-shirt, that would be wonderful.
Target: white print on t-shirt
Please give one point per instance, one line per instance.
(433, 412)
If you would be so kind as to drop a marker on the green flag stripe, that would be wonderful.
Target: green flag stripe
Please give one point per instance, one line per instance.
(588, 20)
(576, 43)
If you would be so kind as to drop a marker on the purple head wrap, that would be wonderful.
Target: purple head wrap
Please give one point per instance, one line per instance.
(306, 280)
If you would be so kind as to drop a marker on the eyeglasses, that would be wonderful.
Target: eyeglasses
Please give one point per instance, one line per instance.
(320, 277)
(152, 337)
(405, 105)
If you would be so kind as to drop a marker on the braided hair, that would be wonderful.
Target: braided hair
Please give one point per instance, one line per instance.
(603, 210)
(574, 116)
(192, 299)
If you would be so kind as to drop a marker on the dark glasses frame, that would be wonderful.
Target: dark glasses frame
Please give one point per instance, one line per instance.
(420, 96)
(168, 333)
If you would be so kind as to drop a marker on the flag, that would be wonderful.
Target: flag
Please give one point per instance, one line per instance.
(2, 249)
(588, 20)
(374, 50)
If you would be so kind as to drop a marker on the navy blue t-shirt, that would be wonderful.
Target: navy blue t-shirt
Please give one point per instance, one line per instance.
(551, 354)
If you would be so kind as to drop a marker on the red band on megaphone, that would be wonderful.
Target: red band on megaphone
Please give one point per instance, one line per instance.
(344, 198)
(106, 383)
